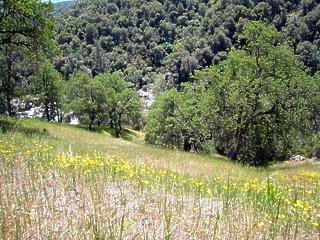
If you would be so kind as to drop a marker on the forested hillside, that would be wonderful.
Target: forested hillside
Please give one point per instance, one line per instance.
(62, 7)
(164, 42)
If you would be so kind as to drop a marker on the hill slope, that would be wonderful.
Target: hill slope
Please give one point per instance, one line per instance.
(60, 181)
(163, 42)
(62, 7)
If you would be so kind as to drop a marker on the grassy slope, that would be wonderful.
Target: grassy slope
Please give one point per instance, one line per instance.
(61, 181)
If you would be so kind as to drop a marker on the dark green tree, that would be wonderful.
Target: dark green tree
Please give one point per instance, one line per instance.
(308, 54)
(27, 23)
(257, 99)
(86, 96)
(166, 34)
(8, 84)
(162, 124)
(26, 29)
(176, 119)
(48, 86)
(122, 104)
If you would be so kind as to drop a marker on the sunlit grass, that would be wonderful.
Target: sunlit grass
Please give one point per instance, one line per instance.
(62, 182)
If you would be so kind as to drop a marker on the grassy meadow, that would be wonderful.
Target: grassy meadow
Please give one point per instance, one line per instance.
(63, 182)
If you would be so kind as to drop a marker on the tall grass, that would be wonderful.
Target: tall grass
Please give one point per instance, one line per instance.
(63, 182)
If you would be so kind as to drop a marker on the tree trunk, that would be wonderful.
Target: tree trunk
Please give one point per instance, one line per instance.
(8, 86)
(111, 123)
(47, 111)
(8, 102)
(118, 133)
(186, 146)
(60, 116)
(92, 117)
(118, 127)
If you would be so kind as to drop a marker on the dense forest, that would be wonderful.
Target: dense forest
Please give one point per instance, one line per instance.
(153, 42)
(237, 77)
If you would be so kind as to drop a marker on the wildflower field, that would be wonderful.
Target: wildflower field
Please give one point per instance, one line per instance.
(63, 182)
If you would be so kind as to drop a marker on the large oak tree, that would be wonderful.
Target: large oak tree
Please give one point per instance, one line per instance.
(27, 23)
(251, 107)
(259, 99)
(26, 30)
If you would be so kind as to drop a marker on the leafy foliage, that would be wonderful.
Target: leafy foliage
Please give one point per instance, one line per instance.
(254, 103)
(26, 23)
(48, 86)
(26, 31)
(105, 99)
(176, 119)
(140, 38)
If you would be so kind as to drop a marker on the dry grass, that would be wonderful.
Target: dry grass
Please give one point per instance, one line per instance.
(68, 183)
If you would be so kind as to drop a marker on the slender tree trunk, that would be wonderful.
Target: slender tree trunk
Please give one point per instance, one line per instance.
(92, 117)
(111, 123)
(118, 127)
(195, 147)
(47, 111)
(8, 86)
(8, 102)
(60, 116)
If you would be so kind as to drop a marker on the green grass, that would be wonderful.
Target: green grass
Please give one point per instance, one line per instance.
(63, 182)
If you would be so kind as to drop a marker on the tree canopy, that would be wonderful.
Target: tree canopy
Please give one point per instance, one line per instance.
(26, 35)
(146, 39)
(27, 23)
(48, 87)
(105, 99)
(253, 105)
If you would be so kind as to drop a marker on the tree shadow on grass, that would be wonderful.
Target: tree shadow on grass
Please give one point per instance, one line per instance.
(11, 125)
(125, 134)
